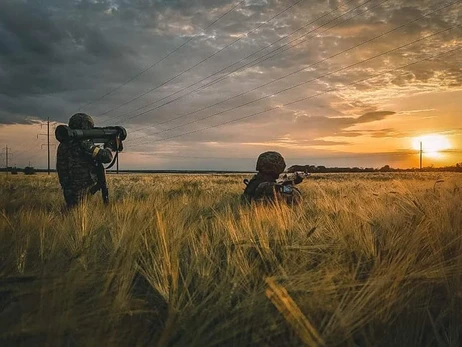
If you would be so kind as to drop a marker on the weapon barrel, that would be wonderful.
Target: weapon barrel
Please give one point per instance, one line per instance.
(65, 134)
(292, 178)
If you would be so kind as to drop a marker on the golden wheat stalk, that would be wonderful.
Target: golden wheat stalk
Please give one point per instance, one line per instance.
(292, 313)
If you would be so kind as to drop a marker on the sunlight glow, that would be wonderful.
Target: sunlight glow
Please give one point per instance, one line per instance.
(432, 145)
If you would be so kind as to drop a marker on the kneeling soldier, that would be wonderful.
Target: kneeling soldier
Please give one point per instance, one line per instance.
(264, 185)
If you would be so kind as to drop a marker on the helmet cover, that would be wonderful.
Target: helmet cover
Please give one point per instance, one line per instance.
(81, 121)
(270, 163)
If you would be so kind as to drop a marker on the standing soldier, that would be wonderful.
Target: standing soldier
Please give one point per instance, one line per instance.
(263, 186)
(76, 162)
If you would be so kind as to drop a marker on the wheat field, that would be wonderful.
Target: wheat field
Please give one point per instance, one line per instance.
(179, 260)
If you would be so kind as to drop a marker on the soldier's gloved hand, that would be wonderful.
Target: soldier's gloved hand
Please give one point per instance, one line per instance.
(112, 145)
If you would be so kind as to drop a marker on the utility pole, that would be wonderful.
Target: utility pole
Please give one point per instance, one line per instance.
(6, 158)
(7, 155)
(48, 143)
(421, 155)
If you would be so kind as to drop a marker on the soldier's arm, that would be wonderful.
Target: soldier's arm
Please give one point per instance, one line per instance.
(298, 179)
(102, 155)
(251, 186)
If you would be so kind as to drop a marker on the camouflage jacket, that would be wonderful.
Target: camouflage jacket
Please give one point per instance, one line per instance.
(265, 188)
(254, 189)
(76, 163)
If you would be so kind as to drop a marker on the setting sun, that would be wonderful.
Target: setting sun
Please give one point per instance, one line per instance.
(432, 145)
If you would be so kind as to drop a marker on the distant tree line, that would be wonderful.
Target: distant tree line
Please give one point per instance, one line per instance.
(28, 170)
(387, 168)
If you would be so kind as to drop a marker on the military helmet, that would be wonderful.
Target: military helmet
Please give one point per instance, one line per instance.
(81, 121)
(271, 163)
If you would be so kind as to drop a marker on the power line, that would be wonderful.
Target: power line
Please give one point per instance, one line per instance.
(300, 84)
(201, 61)
(34, 154)
(303, 38)
(302, 99)
(160, 60)
(287, 75)
(257, 60)
(233, 64)
(27, 148)
(268, 56)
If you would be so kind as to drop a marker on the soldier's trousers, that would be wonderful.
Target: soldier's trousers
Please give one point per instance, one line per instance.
(74, 197)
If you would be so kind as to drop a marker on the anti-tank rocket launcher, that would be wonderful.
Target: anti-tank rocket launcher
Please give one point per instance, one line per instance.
(292, 178)
(289, 178)
(117, 134)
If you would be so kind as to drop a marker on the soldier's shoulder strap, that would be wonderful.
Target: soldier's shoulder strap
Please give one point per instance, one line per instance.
(251, 186)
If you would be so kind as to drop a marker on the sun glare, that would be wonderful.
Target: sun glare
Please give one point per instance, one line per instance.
(432, 145)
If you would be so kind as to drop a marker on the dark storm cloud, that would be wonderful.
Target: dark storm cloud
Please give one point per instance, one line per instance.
(51, 51)
(374, 116)
(78, 50)
(377, 133)
(326, 126)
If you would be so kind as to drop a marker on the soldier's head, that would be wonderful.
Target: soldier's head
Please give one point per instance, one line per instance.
(271, 163)
(81, 121)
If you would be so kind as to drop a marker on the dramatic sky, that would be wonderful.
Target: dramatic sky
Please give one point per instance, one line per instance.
(355, 83)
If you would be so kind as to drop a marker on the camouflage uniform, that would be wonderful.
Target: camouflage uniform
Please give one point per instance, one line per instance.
(263, 186)
(76, 162)
(269, 191)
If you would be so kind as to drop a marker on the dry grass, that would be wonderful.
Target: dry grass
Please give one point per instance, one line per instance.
(370, 259)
